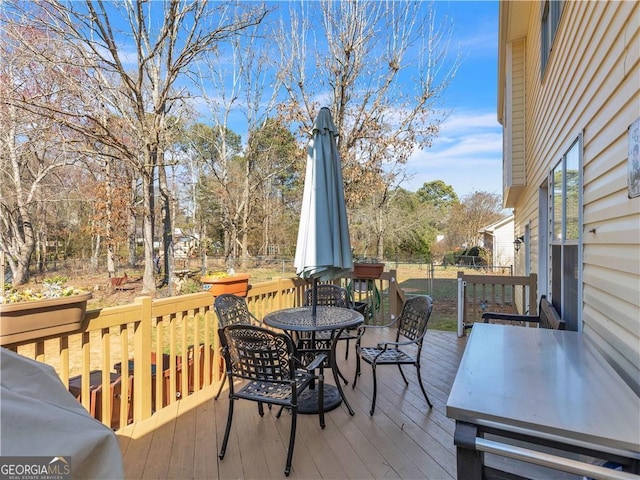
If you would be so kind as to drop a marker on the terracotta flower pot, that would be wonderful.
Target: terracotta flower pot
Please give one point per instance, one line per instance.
(235, 284)
(25, 321)
(367, 270)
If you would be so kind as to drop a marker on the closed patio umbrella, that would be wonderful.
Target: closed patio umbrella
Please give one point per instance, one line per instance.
(323, 250)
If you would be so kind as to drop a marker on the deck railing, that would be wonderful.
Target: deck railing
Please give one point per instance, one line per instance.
(497, 293)
(167, 348)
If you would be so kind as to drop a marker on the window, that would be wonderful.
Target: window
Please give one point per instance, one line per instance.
(551, 12)
(566, 188)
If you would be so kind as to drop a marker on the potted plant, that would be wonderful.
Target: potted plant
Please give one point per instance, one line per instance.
(28, 315)
(367, 270)
(218, 283)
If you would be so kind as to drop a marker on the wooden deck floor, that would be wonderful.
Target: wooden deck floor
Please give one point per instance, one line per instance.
(404, 439)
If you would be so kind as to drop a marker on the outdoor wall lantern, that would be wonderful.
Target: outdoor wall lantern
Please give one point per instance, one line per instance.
(517, 242)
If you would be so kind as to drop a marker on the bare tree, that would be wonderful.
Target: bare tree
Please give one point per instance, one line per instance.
(137, 52)
(381, 67)
(475, 211)
(216, 146)
(244, 84)
(33, 147)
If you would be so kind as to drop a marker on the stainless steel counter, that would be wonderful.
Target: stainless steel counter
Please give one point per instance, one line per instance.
(546, 386)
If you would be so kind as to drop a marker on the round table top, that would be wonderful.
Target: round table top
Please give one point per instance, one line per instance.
(301, 319)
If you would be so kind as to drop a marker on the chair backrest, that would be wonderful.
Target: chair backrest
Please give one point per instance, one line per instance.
(328, 295)
(414, 317)
(257, 354)
(549, 317)
(232, 310)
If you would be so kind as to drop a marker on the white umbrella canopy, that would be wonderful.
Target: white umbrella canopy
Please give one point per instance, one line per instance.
(323, 250)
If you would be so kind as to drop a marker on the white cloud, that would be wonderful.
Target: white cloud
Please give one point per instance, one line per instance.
(467, 155)
(482, 44)
(129, 58)
(466, 120)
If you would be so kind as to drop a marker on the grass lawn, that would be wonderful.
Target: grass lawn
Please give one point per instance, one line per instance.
(443, 290)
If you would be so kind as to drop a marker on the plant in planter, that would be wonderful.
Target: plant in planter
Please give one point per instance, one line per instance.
(221, 282)
(28, 315)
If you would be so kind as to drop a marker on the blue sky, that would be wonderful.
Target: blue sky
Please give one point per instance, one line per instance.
(468, 151)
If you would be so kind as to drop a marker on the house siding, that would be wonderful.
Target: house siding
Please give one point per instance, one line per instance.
(518, 154)
(514, 171)
(499, 237)
(591, 86)
(503, 246)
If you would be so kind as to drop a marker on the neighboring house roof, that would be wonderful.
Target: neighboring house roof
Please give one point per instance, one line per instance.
(496, 225)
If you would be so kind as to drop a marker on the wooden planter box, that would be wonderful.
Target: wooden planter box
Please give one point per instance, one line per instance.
(236, 285)
(367, 270)
(26, 321)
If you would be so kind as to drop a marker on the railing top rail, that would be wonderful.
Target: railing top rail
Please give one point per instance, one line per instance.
(496, 280)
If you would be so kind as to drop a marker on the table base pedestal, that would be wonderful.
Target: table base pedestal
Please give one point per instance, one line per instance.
(308, 400)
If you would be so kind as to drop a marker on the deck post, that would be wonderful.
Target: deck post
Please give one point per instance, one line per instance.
(142, 365)
(396, 300)
(533, 294)
(460, 305)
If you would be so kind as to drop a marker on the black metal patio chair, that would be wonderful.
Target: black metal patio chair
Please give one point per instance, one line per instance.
(331, 295)
(411, 329)
(267, 363)
(232, 310)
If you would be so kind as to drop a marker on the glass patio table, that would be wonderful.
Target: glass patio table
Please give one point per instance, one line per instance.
(334, 319)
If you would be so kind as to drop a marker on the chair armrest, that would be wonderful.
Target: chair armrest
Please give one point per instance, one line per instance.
(255, 320)
(386, 325)
(363, 328)
(510, 317)
(384, 345)
(316, 363)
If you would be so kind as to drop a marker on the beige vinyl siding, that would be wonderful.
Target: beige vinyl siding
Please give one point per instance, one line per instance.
(513, 172)
(518, 114)
(507, 133)
(591, 86)
(613, 327)
(611, 237)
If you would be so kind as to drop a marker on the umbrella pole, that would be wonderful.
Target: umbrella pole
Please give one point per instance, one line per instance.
(314, 297)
